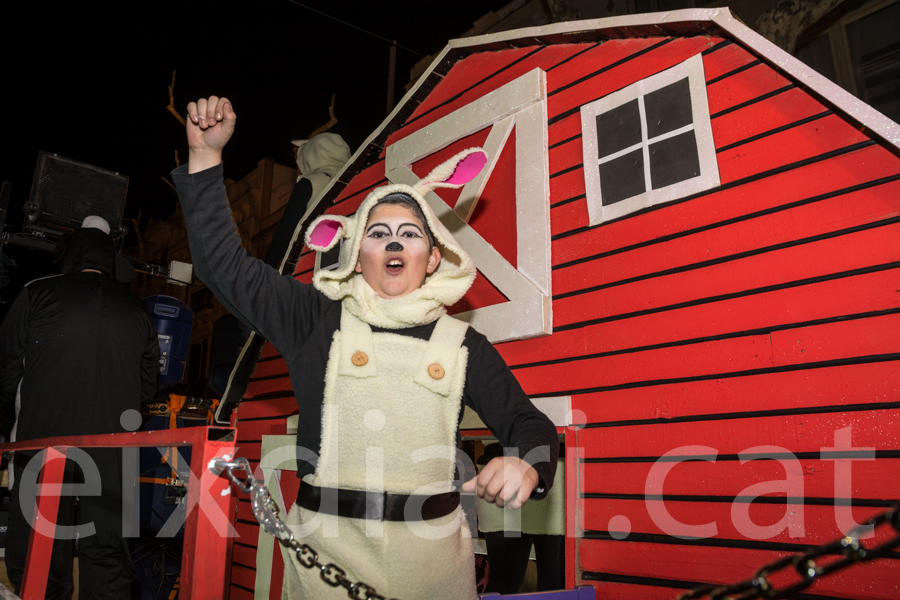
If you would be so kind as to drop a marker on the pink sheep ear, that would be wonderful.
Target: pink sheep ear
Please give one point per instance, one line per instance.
(455, 172)
(325, 231)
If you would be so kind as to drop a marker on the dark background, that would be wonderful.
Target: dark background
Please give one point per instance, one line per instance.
(89, 81)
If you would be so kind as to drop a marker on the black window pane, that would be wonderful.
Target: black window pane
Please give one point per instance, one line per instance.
(668, 108)
(674, 160)
(622, 177)
(618, 129)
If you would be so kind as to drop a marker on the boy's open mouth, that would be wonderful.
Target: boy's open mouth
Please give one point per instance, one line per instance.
(394, 266)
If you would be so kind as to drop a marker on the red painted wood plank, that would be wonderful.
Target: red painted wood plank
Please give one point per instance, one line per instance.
(371, 175)
(725, 60)
(818, 524)
(236, 593)
(834, 341)
(792, 433)
(269, 368)
(743, 86)
(870, 479)
(305, 278)
(569, 217)
(466, 73)
(824, 300)
(568, 185)
(793, 145)
(693, 360)
(306, 262)
(254, 430)
(245, 512)
(565, 156)
(766, 115)
(812, 180)
(242, 554)
(268, 351)
(249, 450)
(600, 57)
(542, 59)
(627, 73)
(827, 216)
(606, 589)
(564, 129)
(876, 246)
(270, 407)
(830, 386)
(247, 533)
(267, 386)
(868, 581)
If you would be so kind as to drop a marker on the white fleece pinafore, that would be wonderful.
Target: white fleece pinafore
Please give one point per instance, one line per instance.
(389, 425)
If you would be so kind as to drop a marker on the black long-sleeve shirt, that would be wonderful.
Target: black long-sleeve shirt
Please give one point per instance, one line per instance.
(84, 349)
(300, 322)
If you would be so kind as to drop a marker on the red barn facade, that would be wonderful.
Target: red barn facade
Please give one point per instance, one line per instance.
(688, 251)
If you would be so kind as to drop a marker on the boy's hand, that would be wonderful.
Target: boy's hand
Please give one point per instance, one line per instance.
(503, 478)
(210, 124)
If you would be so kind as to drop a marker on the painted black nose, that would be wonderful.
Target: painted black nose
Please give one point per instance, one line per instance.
(394, 247)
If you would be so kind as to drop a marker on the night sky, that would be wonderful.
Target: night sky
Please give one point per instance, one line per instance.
(89, 81)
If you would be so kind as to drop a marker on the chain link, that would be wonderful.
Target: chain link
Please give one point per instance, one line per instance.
(849, 548)
(267, 513)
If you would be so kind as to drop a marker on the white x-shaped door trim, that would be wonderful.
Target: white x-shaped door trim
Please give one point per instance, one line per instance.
(521, 103)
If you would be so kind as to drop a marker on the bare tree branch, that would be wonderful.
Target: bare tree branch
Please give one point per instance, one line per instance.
(171, 106)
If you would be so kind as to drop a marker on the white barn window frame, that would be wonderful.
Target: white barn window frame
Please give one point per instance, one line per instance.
(629, 102)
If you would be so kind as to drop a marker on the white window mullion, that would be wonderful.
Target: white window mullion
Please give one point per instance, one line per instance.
(644, 145)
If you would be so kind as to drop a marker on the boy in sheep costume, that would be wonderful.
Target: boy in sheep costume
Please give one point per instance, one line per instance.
(380, 372)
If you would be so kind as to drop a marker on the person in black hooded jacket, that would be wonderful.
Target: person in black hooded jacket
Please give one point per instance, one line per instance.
(76, 351)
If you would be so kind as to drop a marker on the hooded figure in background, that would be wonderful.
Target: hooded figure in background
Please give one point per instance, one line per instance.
(77, 350)
(319, 159)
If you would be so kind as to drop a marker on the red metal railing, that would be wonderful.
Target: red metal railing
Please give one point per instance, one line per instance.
(208, 531)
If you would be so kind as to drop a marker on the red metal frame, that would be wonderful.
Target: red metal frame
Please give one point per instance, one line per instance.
(208, 530)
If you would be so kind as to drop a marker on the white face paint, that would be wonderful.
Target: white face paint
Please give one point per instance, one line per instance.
(390, 271)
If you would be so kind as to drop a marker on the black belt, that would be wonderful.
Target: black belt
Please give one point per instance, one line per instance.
(378, 506)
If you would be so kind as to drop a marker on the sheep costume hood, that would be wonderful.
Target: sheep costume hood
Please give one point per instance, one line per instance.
(444, 287)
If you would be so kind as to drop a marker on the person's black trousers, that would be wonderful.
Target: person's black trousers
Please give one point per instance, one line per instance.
(508, 561)
(104, 562)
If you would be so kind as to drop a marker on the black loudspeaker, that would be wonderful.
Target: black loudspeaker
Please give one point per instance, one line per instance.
(66, 191)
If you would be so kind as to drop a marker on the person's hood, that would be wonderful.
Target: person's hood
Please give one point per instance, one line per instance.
(91, 248)
(326, 152)
(444, 287)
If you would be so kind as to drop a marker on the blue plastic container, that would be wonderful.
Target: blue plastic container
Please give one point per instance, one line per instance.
(173, 321)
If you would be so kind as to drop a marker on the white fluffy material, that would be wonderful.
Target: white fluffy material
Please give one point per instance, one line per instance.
(444, 287)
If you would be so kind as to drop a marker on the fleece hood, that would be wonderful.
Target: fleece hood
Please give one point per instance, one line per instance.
(321, 158)
(444, 287)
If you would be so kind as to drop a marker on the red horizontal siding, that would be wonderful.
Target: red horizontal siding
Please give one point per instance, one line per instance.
(467, 73)
(834, 341)
(832, 214)
(606, 589)
(725, 60)
(818, 523)
(371, 175)
(269, 368)
(822, 177)
(829, 386)
(869, 581)
(778, 111)
(597, 58)
(792, 145)
(871, 479)
(867, 248)
(270, 407)
(236, 593)
(742, 87)
(830, 299)
(694, 360)
(267, 386)
(794, 433)
(540, 59)
(643, 66)
(243, 576)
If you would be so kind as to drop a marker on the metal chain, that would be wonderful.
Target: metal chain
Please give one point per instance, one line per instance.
(849, 547)
(266, 512)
